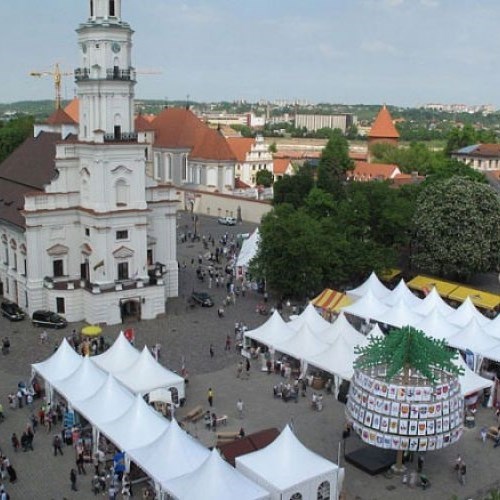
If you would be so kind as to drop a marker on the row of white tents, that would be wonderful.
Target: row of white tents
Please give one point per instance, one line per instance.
(180, 466)
(331, 346)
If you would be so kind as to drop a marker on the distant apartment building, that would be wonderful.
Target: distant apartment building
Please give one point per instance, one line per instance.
(460, 108)
(313, 123)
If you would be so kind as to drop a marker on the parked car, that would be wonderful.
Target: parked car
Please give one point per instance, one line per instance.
(12, 311)
(203, 299)
(227, 221)
(48, 319)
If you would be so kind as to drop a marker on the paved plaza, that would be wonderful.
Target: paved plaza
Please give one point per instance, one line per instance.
(187, 333)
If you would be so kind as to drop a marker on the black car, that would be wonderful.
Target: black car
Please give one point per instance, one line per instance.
(48, 319)
(12, 311)
(203, 299)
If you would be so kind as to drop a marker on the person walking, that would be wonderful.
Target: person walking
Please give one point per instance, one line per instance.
(463, 471)
(247, 366)
(420, 463)
(56, 444)
(239, 407)
(211, 351)
(210, 397)
(15, 442)
(72, 478)
(79, 464)
(227, 346)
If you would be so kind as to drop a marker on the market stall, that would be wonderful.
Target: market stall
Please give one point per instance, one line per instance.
(372, 284)
(120, 356)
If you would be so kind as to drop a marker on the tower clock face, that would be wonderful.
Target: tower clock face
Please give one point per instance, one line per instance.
(116, 47)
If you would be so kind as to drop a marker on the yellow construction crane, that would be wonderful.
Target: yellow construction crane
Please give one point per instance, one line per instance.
(57, 75)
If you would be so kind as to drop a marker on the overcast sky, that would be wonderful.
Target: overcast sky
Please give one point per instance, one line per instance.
(403, 52)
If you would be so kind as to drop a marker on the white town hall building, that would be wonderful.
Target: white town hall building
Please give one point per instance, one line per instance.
(84, 230)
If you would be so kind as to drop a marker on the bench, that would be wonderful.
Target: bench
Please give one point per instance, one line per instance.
(194, 415)
(228, 436)
(221, 420)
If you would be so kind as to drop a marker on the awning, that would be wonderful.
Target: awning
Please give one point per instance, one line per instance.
(479, 298)
(331, 300)
(425, 284)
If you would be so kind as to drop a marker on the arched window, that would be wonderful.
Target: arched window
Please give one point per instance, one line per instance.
(324, 491)
(296, 496)
(112, 8)
(122, 193)
(212, 177)
(167, 159)
(91, 8)
(184, 167)
(118, 126)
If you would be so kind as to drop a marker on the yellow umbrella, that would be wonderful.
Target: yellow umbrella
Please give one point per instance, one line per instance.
(91, 331)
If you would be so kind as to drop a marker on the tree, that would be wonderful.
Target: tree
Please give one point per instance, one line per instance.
(13, 134)
(291, 252)
(273, 148)
(467, 136)
(334, 164)
(456, 228)
(264, 178)
(294, 189)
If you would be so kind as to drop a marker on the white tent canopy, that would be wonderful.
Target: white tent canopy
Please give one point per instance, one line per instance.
(375, 333)
(399, 315)
(248, 250)
(341, 328)
(215, 479)
(146, 374)
(60, 365)
(372, 284)
(473, 337)
(173, 454)
(311, 318)
(272, 332)
(402, 292)
(286, 467)
(465, 312)
(110, 402)
(437, 326)
(471, 382)
(82, 383)
(139, 426)
(493, 327)
(367, 307)
(120, 356)
(431, 302)
(303, 344)
(338, 359)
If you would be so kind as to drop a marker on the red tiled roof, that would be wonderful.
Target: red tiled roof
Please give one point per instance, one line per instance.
(489, 150)
(280, 165)
(367, 171)
(239, 184)
(358, 156)
(73, 110)
(178, 128)
(383, 126)
(60, 117)
(142, 123)
(241, 146)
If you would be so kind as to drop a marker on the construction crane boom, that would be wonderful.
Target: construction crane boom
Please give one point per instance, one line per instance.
(57, 75)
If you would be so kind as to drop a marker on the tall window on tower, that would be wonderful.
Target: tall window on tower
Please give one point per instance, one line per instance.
(112, 8)
(91, 8)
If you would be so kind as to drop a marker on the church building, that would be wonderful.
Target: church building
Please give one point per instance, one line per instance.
(84, 230)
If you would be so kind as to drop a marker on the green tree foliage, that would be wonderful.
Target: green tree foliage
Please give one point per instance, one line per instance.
(273, 148)
(294, 188)
(408, 349)
(264, 178)
(13, 133)
(456, 228)
(244, 130)
(467, 136)
(334, 163)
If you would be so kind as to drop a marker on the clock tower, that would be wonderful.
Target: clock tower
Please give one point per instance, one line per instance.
(105, 78)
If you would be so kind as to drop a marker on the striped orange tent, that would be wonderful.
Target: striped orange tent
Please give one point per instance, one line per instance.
(331, 300)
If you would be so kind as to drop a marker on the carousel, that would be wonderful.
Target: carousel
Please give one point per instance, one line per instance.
(405, 394)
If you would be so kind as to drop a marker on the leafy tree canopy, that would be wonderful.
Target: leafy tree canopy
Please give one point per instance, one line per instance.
(467, 136)
(13, 133)
(456, 228)
(264, 178)
(294, 188)
(406, 349)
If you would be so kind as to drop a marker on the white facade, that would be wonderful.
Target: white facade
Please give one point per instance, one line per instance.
(258, 158)
(99, 241)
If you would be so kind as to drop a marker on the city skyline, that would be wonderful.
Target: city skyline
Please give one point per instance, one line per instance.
(402, 52)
